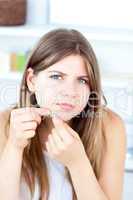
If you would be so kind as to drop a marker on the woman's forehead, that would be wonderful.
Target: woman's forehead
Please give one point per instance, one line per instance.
(73, 64)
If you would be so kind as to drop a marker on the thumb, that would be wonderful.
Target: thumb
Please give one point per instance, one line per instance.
(72, 132)
(42, 111)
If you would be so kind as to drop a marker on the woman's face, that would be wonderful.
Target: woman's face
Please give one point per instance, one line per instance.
(63, 87)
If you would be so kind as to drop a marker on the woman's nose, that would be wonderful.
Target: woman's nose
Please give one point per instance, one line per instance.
(69, 95)
(70, 91)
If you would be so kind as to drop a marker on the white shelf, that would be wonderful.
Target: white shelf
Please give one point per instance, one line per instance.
(119, 80)
(38, 31)
(11, 76)
(23, 31)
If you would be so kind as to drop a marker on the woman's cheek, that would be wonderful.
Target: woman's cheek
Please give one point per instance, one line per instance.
(43, 97)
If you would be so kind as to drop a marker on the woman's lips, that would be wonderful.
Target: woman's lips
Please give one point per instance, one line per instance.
(66, 106)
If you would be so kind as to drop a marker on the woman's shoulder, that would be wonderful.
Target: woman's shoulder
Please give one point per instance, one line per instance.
(4, 114)
(114, 126)
(4, 118)
(111, 117)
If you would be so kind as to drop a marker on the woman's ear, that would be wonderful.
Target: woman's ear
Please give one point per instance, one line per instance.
(30, 79)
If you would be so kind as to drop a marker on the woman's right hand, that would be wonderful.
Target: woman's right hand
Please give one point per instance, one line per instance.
(23, 124)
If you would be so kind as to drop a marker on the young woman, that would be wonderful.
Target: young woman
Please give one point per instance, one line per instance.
(60, 142)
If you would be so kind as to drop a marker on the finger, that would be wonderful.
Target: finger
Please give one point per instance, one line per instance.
(71, 131)
(27, 134)
(57, 139)
(28, 117)
(40, 111)
(48, 147)
(52, 145)
(60, 123)
(20, 111)
(61, 129)
(29, 126)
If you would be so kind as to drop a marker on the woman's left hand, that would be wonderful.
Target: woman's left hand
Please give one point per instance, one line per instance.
(64, 144)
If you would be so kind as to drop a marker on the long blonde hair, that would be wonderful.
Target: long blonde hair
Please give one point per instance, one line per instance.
(51, 48)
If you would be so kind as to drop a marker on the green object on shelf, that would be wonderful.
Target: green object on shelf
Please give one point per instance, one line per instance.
(21, 60)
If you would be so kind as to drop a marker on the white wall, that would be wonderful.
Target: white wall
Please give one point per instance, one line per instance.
(103, 13)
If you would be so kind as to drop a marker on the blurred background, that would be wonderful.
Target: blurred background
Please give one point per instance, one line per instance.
(108, 25)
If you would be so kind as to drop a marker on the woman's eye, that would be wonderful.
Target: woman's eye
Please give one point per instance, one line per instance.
(83, 81)
(55, 76)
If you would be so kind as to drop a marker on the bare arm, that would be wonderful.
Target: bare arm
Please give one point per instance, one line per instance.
(113, 165)
(85, 183)
(10, 170)
(110, 184)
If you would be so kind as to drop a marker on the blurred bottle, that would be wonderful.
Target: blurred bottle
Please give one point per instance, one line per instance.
(13, 62)
(21, 60)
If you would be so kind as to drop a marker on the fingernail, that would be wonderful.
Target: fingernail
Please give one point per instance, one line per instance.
(45, 110)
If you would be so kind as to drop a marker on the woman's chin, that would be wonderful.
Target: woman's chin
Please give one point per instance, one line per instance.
(62, 114)
(65, 116)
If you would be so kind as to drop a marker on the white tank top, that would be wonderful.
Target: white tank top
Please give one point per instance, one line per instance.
(60, 187)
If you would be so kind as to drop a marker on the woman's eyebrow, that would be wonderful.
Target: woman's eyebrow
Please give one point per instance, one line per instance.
(83, 76)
